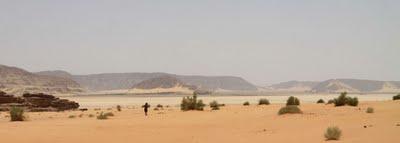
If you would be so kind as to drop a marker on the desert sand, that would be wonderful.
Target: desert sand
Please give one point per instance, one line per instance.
(233, 124)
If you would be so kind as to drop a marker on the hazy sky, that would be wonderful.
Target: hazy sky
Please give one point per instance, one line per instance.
(262, 41)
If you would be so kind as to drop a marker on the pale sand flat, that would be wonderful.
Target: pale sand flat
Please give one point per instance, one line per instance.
(231, 124)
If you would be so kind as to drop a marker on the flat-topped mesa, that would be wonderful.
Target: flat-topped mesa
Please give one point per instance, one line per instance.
(36, 102)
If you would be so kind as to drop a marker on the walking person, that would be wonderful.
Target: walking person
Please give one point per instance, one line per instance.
(146, 106)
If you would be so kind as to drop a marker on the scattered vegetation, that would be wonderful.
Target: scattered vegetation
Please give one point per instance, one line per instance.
(343, 100)
(330, 101)
(191, 103)
(263, 101)
(292, 101)
(290, 109)
(320, 101)
(333, 133)
(156, 109)
(71, 116)
(90, 115)
(247, 103)
(214, 105)
(17, 114)
(370, 110)
(397, 97)
(119, 108)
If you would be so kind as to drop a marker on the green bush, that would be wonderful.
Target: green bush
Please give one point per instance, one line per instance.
(247, 103)
(263, 101)
(102, 116)
(333, 133)
(191, 103)
(397, 97)
(119, 108)
(370, 110)
(159, 106)
(352, 101)
(290, 109)
(17, 114)
(341, 100)
(293, 101)
(214, 105)
(320, 101)
(344, 100)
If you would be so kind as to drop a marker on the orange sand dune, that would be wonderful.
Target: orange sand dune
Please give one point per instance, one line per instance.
(231, 124)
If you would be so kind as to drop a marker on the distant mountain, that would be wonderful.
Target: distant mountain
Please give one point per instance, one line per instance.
(297, 86)
(338, 85)
(16, 81)
(57, 73)
(162, 84)
(356, 85)
(116, 81)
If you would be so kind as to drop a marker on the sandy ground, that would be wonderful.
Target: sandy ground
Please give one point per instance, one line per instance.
(231, 124)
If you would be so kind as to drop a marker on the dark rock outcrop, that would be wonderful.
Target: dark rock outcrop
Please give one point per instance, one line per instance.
(36, 102)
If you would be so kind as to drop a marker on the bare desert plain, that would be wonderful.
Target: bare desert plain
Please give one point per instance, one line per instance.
(232, 123)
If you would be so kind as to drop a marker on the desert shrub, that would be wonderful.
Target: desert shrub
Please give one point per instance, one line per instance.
(102, 116)
(119, 108)
(352, 101)
(320, 101)
(71, 116)
(370, 110)
(214, 105)
(293, 101)
(397, 97)
(159, 106)
(247, 103)
(191, 103)
(290, 109)
(17, 114)
(91, 115)
(156, 109)
(341, 100)
(333, 133)
(263, 101)
(109, 114)
(330, 101)
(80, 115)
(344, 100)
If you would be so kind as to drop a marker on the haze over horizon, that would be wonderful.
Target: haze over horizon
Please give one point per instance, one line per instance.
(262, 41)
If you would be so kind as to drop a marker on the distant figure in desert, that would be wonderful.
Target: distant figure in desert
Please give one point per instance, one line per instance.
(146, 106)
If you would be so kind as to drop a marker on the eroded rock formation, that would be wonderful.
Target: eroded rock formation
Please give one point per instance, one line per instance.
(36, 102)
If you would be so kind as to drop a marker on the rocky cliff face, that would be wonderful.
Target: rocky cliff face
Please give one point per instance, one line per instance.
(17, 81)
(36, 102)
